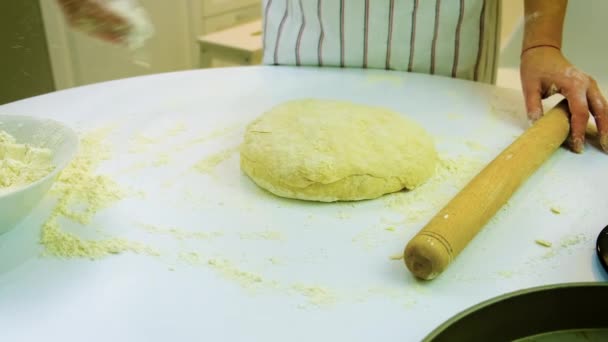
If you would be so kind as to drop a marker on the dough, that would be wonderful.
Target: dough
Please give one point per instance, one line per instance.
(329, 151)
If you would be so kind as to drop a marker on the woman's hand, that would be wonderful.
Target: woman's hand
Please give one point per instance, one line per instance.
(544, 72)
(96, 19)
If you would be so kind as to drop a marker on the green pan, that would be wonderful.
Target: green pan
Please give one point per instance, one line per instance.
(562, 312)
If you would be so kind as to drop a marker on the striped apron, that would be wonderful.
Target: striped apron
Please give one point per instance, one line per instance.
(454, 38)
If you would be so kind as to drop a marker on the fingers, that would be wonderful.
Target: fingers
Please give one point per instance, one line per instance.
(578, 121)
(110, 32)
(96, 19)
(106, 15)
(599, 109)
(111, 37)
(534, 105)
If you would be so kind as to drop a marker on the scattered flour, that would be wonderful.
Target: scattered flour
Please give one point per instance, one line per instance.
(264, 235)
(451, 174)
(179, 234)
(228, 270)
(142, 143)
(78, 186)
(454, 116)
(573, 240)
(209, 163)
(316, 295)
(60, 243)
(543, 243)
(567, 244)
(398, 256)
(506, 274)
(205, 137)
(475, 146)
(191, 258)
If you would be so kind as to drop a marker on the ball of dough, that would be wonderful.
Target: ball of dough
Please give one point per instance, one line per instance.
(327, 151)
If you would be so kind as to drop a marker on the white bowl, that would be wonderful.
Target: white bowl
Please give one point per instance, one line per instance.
(16, 204)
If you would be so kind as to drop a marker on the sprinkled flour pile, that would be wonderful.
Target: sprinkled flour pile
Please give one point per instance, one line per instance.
(79, 187)
(21, 164)
(451, 174)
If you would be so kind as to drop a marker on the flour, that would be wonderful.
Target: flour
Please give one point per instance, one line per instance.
(452, 173)
(230, 271)
(79, 187)
(398, 256)
(543, 243)
(60, 243)
(573, 240)
(475, 146)
(263, 235)
(506, 274)
(532, 17)
(141, 28)
(567, 244)
(142, 143)
(207, 164)
(203, 138)
(316, 295)
(191, 258)
(179, 234)
(22, 164)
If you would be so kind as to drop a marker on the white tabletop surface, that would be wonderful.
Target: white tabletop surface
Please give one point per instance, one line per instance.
(324, 270)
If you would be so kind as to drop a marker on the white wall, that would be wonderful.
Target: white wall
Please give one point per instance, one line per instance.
(584, 44)
(78, 59)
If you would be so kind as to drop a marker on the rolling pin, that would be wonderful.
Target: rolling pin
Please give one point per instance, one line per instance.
(430, 251)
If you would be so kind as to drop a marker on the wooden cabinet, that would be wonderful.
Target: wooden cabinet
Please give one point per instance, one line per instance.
(226, 20)
(216, 7)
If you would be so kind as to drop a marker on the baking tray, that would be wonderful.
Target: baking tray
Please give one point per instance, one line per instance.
(560, 312)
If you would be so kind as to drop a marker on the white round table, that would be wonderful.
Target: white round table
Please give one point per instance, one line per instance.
(238, 264)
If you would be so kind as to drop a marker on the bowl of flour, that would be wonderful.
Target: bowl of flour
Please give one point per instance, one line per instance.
(33, 151)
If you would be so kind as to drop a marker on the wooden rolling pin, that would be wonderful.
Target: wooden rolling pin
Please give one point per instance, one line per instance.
(447, 234)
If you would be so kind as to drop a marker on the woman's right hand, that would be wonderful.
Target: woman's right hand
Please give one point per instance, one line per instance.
(96, 19)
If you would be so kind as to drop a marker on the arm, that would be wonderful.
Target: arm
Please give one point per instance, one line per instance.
(545, 71)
